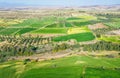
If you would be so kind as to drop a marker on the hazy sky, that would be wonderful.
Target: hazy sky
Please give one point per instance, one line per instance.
(57, 2)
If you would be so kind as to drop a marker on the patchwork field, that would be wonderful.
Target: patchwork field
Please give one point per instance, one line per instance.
(84, 43)
(53, 25)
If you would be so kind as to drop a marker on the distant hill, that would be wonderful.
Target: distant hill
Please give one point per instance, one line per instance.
(20, 6)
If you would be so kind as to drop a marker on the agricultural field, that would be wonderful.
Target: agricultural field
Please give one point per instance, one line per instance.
(114, 39)
(8, 31)
(69, 67)
(80, 37)
(60, 42)
(113, 24)
(51, 31)
(9, 22)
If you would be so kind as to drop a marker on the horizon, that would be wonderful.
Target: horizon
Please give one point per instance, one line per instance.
(63, 3)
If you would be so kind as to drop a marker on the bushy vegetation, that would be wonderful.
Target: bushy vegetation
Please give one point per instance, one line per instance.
(20, 46)
(102, 46)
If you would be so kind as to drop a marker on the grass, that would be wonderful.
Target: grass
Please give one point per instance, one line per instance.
(67, 24)
(9, 31)
(51, 31)
(52, 25)
(84, 23)
(1, 28)
(73, 18)
(25, 30)
(87, 17)
(78, 30)
(80, 37)
(10, 22)
(12, 31)
(37, 22)
(115, 39)
(67, 67)
(113, 24)
(97, 73)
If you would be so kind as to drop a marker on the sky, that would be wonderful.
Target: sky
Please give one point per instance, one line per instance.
(9, 3)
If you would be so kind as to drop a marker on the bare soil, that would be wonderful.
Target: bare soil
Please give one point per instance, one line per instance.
(97, 26)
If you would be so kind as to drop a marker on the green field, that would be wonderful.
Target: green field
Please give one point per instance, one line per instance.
(115, 39)
(80, 37)
(67, 67)
(36, 22)
(1, 28)
(13, 31)
(25, 30)
(45, 25)
(51, 31)
(113, 24)
(9, 31)
(60, 42)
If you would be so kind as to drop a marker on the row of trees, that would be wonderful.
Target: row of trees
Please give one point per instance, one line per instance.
(101, 46)
(20, 45)
(103, 31)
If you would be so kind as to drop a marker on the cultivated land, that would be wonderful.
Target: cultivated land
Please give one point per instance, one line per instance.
(60, 43)
(69, 67)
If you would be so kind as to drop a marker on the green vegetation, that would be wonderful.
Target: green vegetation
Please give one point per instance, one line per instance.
(78, 30)
(115, 39)
(102, 46)
(67, 24)
(36, 22)
(10, 22)
(51, 31)
(1, 28)
(74, 18)
(68, 67)
(9, 31)
(80, 37)
(84, 23)
(113, 24)
(35, 33)
(25, 30)
(52, 25)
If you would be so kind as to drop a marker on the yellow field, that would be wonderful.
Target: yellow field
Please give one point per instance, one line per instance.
(8, 22)
(78, 30)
